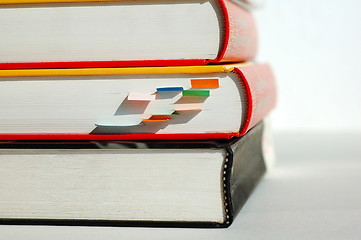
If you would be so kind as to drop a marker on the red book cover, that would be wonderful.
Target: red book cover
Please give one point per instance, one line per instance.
(260, 98)
(240, 34)
(259, 84)
(239, 44)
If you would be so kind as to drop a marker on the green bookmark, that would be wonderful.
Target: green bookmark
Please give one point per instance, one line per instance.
(196, 93)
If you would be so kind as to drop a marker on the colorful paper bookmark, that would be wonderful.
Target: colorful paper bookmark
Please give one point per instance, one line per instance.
(205, 83)
(158, 118)
(163, 112)
(111, 124)
(187, 107)
(168, 89)
(141, 97)
(196, 93)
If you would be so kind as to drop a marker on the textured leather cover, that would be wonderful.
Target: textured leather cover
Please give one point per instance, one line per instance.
(239, 42)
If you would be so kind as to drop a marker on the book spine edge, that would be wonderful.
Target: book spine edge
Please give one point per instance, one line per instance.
(260, 90)
(227, 198)
(240, 43)
(248, 167)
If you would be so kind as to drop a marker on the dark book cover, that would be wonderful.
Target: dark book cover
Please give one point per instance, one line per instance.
(243, 167)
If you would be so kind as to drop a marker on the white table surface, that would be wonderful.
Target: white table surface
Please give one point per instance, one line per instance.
(313, 192)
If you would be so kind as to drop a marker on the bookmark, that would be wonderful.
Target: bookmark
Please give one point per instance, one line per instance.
(141, 97)
(187, 107)
(205, 83)
(169, 89)
(114, 124)
(196, 93)
(158, 118)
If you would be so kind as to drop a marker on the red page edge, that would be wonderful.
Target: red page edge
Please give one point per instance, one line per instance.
(110, 137)
(101, 64)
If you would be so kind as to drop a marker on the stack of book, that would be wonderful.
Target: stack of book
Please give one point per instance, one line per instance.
(129, 113)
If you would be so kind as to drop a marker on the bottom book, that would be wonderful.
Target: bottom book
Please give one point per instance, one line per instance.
(164, 184)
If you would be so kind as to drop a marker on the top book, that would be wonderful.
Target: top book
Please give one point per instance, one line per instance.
(116, 33)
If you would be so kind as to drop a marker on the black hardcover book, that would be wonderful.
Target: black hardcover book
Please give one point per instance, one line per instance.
(152, 183)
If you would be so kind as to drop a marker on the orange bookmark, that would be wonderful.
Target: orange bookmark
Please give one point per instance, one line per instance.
(157, 118)
(205, 83)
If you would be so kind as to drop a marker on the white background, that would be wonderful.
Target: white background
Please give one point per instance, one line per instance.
(314, 48)
(312, 192)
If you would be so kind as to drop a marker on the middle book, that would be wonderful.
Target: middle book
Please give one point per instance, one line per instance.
(199, 102)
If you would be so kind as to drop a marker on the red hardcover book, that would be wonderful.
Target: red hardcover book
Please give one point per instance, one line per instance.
(59, 34)
(204, 102)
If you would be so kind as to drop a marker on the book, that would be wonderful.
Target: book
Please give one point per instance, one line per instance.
(129, 183)
(198, 102)
(111, 33)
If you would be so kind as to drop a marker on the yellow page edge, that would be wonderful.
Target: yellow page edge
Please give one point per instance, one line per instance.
(120, 71)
